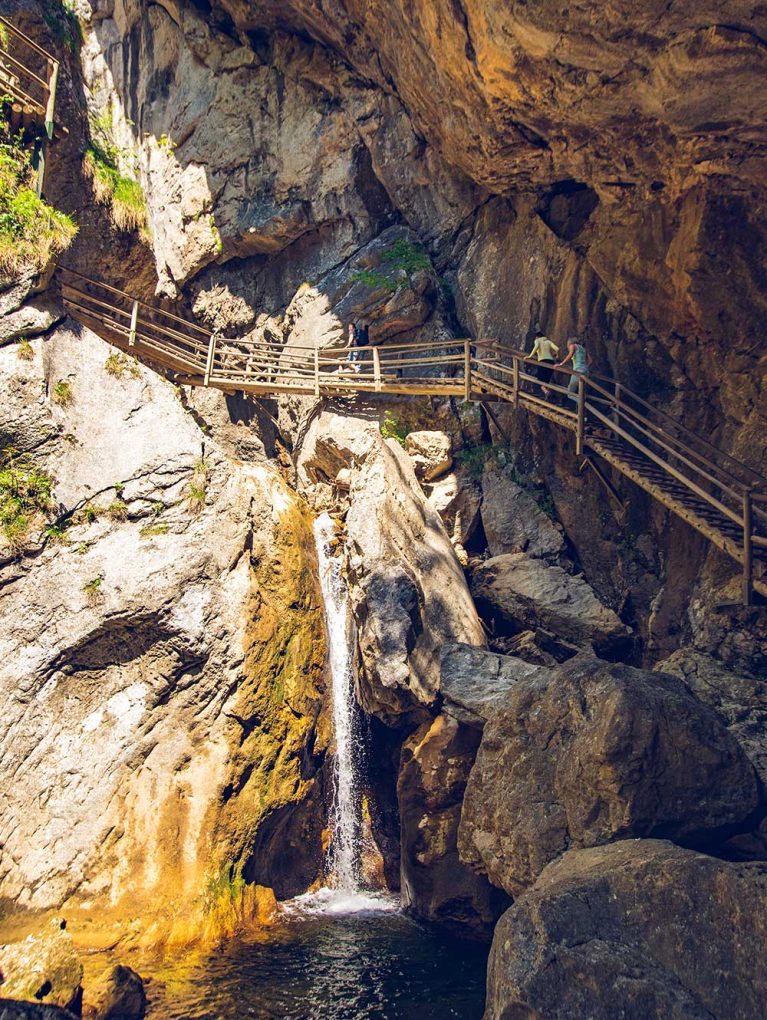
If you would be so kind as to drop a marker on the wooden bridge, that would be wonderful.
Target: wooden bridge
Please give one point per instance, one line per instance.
(28, 81)
(717, 495)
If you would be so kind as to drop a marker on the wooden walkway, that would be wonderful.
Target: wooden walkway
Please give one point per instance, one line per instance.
(716, 494)
(28, 79)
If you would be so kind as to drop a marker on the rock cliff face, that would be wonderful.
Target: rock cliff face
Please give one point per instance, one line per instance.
(162, 655)
(590, 169)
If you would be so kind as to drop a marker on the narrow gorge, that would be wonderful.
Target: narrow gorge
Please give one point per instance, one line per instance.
(361, 654)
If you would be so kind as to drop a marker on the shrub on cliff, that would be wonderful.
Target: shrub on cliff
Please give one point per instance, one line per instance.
(31, 231)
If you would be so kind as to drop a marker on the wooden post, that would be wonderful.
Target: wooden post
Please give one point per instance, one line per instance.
(211, 356)
(377, 369)
(579, 428)
(467, 370)
(515, 382)
(53, 80)
(316, 368)
(616, 409)
(748, 558)
(133, 325)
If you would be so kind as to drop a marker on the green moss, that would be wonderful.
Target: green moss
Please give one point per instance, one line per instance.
(93, 588)
(153, 529)
(31, 231)
(62, 393)
(117, 510)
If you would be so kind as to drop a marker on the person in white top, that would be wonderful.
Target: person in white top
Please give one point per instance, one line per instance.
(545, 351)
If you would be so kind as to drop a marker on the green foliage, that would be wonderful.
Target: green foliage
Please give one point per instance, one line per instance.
(117, 510)
(120, 365)
(4, 40)
(62, 393)
(166, 143)
(103, 162)
(473, 458)
(57, 533)
(87, 514)
(31, 231)
(93, 588)
(119, 488)
(197, 486)
(25, 496)
(407, 256)
(393, 428)
(403, 257)
(218, 244)
(227, 885)
(61, 18)
(158, 508)
(24, 351)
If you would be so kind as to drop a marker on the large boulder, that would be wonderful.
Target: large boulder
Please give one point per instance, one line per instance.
(636, 930)
(475, 682)
(591, 753)
(408, 592)
(521, 593)
(456, 498)
(738, 699)
(435, 884)
(431, 453)
(119, 995)
(44, 968)
(513, 521)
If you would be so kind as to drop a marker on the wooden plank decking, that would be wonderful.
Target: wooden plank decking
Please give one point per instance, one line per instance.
(721, 498)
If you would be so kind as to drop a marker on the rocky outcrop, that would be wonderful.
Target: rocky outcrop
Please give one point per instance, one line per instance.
(431, 453)
(475, 683)
(162, 656)
(520, 593)
(408, 591)
(740, 701)
(590, 753)
(637, 929)
(43, 968)
(435, 885)
(120, 996)
(11, 1009)
(513, 522)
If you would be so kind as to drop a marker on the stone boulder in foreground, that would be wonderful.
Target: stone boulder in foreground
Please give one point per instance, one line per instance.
(594, 752)
(635, 930)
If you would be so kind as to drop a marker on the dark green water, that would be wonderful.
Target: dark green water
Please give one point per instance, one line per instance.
(330, 966)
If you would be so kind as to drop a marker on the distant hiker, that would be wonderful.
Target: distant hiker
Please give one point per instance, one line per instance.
(544, 350)
(579, 356)
(358, 339)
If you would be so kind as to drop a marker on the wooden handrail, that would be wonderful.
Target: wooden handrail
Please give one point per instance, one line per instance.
(464, 368)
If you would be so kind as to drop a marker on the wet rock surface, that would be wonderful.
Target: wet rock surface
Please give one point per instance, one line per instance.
(591, 753)
(637, 929)
(43, 968)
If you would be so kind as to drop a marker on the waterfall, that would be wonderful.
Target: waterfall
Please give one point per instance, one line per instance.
(344, 858)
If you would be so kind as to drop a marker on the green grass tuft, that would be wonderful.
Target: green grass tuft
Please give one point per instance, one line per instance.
(393, 428)
(61, 393)
(153, 529)
(123, 195)
(25, 497)
(31, 232)
(120, 365)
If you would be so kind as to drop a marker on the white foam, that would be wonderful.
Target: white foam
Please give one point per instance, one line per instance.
(339, 902)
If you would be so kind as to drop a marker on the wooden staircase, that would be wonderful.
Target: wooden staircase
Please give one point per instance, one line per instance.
(717, 495)
(28, 82)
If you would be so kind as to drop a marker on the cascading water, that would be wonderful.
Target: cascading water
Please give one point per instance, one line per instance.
(344, 859)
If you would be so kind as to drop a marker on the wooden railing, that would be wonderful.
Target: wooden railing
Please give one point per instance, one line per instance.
(723, 498)
(28, 79)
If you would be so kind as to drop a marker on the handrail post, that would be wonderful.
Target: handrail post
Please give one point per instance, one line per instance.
(616, 409)
(316, 367)
(53, 80)
(467, 370)
(515, 379)
(579, 428)
(133, 325)
(377, 369)
(211, 356)
(748, 557)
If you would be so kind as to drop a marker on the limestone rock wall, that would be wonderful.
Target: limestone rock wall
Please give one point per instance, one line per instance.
(162, 655)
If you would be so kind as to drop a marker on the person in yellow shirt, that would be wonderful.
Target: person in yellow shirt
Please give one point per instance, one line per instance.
(546, 352)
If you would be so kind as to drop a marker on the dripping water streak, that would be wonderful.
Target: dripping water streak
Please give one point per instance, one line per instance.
(345, 824)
